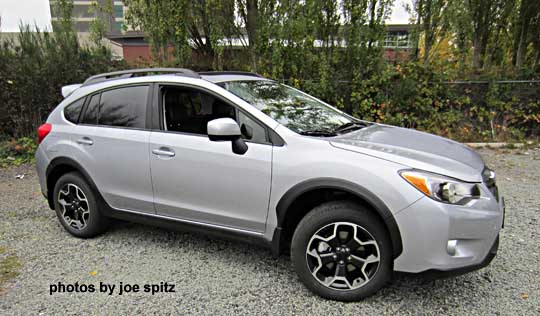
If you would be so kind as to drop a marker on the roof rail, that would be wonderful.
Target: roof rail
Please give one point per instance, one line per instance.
(132, 72)
(218, 73)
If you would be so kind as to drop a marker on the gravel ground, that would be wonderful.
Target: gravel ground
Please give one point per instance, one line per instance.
(229, 278)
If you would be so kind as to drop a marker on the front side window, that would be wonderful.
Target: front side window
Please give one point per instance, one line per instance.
(290, 107)
(189, 111)
(73, 111)
(250, 129)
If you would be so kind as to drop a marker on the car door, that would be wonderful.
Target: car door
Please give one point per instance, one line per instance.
(203, 181)
(111, 143)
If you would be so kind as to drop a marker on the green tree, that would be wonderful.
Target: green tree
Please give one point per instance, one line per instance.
(429, 15)
(35, 66)
(180, 26)
(485, 16)
(363, 27)
(165, 23)
(526, 31)
(100, 25)
(256, 18)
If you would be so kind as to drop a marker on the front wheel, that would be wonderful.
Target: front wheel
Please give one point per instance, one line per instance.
(341, 251)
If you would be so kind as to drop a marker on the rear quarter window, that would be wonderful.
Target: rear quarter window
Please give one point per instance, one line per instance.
(92, 110)
(73, 111)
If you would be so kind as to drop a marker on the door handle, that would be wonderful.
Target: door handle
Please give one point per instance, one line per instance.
(85, 141)
(163, 152)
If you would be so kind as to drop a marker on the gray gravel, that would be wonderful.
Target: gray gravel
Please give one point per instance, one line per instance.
(229, 278)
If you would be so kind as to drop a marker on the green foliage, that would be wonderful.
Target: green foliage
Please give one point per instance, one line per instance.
(99, 26)
(412, 95)
(166, 23)
(35, 66)
(327, 48)
(481, 34)
(17, 151)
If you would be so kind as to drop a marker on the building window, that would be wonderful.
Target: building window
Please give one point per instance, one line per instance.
(119, 11)
(397, 39)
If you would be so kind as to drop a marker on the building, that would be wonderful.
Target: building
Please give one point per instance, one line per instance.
(397, 42)
(84, 12)
(135, 48)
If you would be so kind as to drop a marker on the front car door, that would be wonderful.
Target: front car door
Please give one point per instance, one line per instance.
(203, 181)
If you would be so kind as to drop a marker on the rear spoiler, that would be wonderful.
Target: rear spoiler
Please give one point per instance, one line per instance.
(67, 90)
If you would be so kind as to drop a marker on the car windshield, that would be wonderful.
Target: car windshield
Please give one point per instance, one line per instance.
(292, 108)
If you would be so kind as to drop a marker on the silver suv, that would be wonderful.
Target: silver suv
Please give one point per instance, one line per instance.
(243, 156)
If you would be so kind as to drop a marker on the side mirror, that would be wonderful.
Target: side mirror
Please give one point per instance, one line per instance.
(226, 129)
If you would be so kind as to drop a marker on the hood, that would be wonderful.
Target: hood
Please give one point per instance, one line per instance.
(414, 149)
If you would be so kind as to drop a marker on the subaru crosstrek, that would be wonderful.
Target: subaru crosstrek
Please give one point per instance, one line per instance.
(243, 156)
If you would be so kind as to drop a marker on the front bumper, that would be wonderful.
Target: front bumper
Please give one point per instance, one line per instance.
(434, 274)
(449, 238)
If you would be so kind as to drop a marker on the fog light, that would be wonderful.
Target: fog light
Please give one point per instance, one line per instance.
(451, 247)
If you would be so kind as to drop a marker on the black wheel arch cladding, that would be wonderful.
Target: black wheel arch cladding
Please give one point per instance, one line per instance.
(337, 184)
(60, 166)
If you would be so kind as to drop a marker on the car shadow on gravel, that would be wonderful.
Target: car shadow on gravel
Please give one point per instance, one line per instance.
(222, 249)
(252, 259)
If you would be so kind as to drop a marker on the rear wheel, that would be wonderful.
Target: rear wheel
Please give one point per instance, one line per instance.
(341, 251)
(77, 208)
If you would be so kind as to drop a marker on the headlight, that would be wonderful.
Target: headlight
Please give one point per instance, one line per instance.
(441, 188)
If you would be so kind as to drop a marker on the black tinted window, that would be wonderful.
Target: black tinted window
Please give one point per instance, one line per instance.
(125, 107)
(189, 111)
(251, 130)
(92, 109)
(72, 111)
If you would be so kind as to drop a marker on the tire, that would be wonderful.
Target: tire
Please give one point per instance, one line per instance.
(341, 256)
(77, 207)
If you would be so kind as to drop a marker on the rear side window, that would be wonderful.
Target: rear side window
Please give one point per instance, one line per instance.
(124, 107)
(73, 111)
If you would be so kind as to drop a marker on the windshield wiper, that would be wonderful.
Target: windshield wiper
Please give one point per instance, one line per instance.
(318, 133)
(349, 126)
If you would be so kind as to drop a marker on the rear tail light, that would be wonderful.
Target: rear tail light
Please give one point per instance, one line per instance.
(43, 131)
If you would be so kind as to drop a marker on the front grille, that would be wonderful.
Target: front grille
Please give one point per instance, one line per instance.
(488, 176)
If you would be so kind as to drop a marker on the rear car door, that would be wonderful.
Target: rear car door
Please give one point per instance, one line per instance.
(111, 142)
(203, 181)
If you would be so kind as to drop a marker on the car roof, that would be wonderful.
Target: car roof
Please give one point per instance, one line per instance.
(105, 80)
(224, 76)
(217, 78)
(212, 76)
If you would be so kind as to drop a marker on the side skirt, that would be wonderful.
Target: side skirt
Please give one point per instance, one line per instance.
(177, 224)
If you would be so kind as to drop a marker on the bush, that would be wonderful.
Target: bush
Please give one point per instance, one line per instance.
(17, 151)
(413, 96)
(34, 67)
